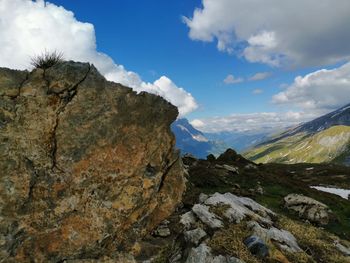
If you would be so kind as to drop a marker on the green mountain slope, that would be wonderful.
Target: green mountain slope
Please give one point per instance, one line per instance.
(332, 144)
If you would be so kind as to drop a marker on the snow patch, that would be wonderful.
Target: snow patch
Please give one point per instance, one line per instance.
(344, 193)
(199, 138)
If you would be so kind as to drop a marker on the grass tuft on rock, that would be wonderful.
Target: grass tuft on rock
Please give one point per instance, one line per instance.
(47, 59)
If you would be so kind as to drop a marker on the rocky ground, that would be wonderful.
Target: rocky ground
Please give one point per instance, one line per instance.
(237, 211)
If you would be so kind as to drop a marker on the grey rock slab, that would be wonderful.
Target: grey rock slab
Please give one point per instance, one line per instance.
(202, 254)
(343, 249)
(208, 218)
(195, 236)
(285, 239)
(188, 220)
(308, 208)
(241, 207)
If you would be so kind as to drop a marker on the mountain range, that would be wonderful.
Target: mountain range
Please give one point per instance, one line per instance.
(200, 144)
(325, 139)
(190, 140)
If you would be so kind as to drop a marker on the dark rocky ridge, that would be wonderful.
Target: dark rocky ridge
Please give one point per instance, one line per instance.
(87, 166)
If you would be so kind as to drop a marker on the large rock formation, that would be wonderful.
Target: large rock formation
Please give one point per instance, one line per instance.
(87, 166)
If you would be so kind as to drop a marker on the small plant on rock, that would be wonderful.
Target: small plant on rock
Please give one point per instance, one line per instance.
(47, 59)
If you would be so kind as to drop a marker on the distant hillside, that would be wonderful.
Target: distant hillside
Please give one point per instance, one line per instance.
(325, 139)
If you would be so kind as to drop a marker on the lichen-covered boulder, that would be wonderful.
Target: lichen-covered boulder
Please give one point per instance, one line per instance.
(87, 166)
(308, 208)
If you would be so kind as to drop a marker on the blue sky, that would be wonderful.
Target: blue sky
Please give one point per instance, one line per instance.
(151, 39)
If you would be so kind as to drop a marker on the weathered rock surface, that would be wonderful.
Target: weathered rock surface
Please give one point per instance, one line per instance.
(228, 168)
(308, 208)
(241, 207)
(162, 230)
(195, 236)
(188, 220)
(284, 239)
(202, 254)
(343, 249)
(208, 218)
(87, 166)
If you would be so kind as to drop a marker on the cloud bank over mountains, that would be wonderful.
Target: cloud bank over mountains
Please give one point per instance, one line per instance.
(289, 34)
(29, 28)
(260, 121)
(320, 91)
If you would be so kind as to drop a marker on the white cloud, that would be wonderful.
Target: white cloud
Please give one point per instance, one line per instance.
(260, 76)
(28, 28)
(197, 123)
(230, 79)
(262, 121)
(257, 91)
(319, 92)
(297, 32)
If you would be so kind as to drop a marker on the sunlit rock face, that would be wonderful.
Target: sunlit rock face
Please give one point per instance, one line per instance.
(87, 166)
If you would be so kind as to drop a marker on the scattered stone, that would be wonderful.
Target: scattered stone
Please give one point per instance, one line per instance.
(341, 248)
(119, 258)
(237, 186)
(251, 166)
(208, 218)
(259, 190)
(188, 220)
(202, 198)
(257, 246)
(228, 168)
(234, 260)
(162, 230)
(202, 254)
(195, 236)
(190, 156)
(284, 239)
(222, 259)
(308, 208)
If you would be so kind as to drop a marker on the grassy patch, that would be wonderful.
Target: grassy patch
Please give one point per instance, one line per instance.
(229, 241)
(317, 243)
(219, 209)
